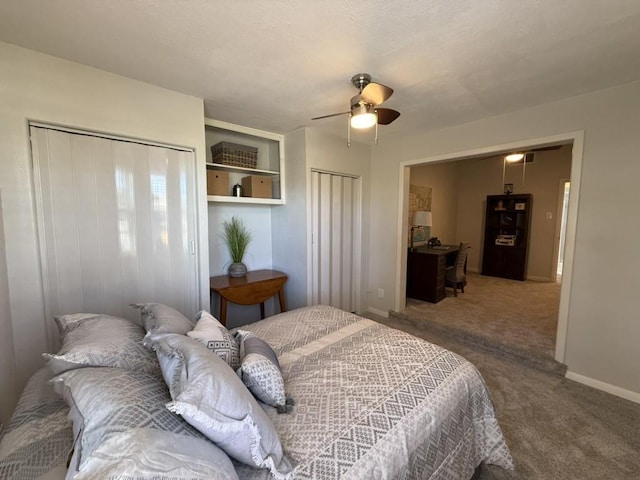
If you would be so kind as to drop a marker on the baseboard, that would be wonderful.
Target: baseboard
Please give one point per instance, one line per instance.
(539, 279)
(378, 312)
(605, 387)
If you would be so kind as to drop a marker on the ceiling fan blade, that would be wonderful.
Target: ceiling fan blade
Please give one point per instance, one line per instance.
(386, 115)
(332, 115)
(376, 93)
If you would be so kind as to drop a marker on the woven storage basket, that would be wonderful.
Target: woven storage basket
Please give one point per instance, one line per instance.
(235, 155)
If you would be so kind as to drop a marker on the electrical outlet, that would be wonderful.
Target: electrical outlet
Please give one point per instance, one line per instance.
(380, 293)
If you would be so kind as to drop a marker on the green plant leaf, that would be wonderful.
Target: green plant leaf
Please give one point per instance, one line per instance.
(237, 238)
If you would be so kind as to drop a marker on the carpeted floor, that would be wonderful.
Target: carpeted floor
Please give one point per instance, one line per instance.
(519, 318)
(556, 428)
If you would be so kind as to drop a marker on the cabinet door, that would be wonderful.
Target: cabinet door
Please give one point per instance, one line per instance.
(117, 223)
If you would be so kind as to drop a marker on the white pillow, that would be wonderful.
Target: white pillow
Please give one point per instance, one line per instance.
(124, 430)
(215, 336)
(211, 397)
(260, 371)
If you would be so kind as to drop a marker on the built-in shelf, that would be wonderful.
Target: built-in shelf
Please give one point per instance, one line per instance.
(228, 168)
(270, 160)
(255, 201)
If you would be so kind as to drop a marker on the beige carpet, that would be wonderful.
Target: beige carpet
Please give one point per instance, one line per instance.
(517, 318)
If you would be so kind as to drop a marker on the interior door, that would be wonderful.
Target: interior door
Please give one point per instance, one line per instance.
(336, 210)
(117, 223)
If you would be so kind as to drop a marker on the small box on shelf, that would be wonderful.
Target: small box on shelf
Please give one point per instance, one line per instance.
(217, 182)
(257, 186)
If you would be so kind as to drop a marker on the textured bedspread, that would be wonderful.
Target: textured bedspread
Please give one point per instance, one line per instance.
(39, 438)
(374, 402)
(371, 402)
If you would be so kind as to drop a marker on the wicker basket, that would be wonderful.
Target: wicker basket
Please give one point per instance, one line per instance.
(234, 155)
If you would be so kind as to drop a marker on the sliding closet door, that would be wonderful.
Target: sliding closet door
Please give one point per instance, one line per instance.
(336, 239)
(117, 223)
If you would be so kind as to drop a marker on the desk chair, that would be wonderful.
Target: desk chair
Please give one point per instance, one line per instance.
(455, 275)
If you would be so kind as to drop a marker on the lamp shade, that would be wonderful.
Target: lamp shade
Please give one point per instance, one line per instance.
(363, 116)
(422, 219)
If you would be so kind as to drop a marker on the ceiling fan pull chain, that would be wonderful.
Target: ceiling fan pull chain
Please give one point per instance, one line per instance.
(349, 131)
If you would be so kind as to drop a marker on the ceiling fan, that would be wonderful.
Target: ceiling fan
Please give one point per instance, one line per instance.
(364, 111)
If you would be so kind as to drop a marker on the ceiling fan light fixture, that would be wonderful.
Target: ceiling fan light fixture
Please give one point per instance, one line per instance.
(363, 116)
(514, 157)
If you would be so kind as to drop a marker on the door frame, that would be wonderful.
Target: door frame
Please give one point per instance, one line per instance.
(577, 140)
(559, 233)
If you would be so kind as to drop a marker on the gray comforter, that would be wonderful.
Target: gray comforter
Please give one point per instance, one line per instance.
(370, 402)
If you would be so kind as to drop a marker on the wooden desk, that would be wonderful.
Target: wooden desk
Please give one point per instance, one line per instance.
(255, 287)
(426, 270)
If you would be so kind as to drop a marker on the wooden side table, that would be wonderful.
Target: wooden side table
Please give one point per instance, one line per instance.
(255, 287)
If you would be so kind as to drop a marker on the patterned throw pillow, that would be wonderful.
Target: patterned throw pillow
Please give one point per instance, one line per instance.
(211, 397)
(125, 431)
(96, 340)
(215, 336)
(160, 318)
(260, 371)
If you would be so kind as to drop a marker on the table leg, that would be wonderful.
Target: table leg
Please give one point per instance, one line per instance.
(283, 304)
(262, 310)
(223, 310)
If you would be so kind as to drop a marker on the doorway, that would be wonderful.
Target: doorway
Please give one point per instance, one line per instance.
(574, 138)
(335, 216)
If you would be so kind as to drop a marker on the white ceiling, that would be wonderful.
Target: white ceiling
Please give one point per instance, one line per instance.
(275, 64)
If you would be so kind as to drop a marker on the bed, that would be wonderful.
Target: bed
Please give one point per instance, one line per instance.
(363, 401)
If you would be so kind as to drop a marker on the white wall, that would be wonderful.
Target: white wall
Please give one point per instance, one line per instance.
(602, 321)
(39, 87)
(289, 221)
(257, 219)
(7, 357)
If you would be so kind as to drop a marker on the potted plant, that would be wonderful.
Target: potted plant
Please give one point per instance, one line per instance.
(237, 238)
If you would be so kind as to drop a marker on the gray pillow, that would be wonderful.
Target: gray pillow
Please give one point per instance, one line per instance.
(96, 340)
(215, 336)
(260, 371)
(160, 318)
(114, 408)
(211, 397)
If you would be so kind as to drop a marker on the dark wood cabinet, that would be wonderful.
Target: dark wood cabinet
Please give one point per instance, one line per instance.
(426, 269)
(506, 235)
